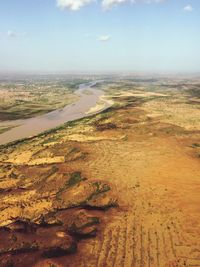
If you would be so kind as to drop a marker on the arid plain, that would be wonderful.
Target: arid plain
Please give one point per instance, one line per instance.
(120, 188)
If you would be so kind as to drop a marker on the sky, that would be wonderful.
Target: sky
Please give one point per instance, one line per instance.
(100, 36)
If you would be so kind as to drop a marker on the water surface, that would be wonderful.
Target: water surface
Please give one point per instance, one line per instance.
(33, 126)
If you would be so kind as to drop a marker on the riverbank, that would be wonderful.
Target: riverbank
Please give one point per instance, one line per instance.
(23, 99)
(34, 126)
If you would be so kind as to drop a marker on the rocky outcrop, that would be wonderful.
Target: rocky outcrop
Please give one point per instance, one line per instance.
(51, 215)
(83, 224)
(82, 194)
(50, 243)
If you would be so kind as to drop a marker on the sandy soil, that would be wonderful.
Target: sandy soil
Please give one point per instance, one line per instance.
(103, 101)
(158, 220)
(149, 153)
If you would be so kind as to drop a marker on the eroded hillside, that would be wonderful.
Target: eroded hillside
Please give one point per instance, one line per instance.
(128, 178)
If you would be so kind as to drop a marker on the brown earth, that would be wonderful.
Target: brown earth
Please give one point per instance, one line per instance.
(135, 152)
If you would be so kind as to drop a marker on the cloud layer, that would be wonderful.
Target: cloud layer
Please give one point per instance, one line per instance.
(75, 5)
(107, 4)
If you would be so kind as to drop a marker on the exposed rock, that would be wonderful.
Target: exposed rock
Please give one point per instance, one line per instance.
(103, 201)
(49, 220)
(80, 195)
(21, 226)
(59, 246)
(50, 262)
(83, 224)
(13, 245)
(37, 221)
(49, 242)
(105, 126)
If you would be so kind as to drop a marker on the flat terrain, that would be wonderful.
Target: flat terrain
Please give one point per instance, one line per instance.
(21, 99)
(128, 178)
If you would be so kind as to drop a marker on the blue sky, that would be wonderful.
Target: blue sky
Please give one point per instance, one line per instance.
(100, 36)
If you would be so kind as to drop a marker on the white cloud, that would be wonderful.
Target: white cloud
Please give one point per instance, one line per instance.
(188, 8)
(104, 38)
(73, 5)
(107, 4)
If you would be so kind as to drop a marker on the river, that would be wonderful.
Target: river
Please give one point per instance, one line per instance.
(34, 126)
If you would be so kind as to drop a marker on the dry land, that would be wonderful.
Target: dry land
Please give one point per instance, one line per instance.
(120, 188)
(21, 99)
